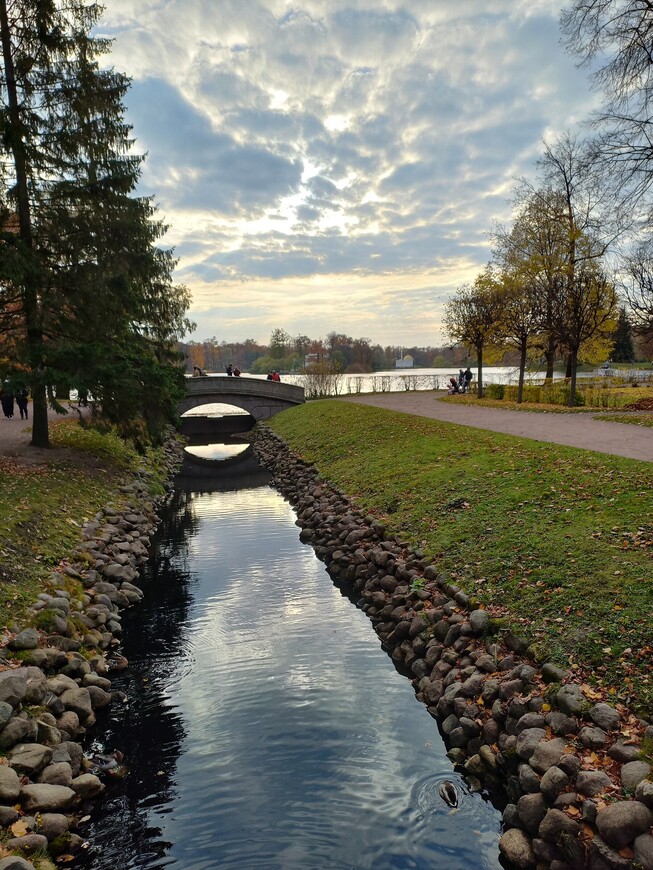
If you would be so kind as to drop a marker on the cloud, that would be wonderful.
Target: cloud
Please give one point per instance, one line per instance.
(352, 142)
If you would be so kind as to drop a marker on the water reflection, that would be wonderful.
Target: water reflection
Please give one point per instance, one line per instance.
(266, 727)
(216, 452)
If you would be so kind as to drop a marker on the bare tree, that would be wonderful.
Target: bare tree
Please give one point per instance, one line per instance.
(619, 33)
(637, 284)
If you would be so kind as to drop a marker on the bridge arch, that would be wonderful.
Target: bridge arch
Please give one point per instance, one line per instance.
(260, 398)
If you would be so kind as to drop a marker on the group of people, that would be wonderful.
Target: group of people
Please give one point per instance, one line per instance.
(462, 383)
(233, 371)
(273, 376)
(7, 400)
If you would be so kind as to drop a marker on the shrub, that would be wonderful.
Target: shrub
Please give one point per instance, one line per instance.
(495, 391)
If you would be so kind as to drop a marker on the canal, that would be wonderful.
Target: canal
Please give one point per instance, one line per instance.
(265, 727)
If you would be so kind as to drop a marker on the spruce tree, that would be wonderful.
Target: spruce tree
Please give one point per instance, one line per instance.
(623, 350)
(97, 308)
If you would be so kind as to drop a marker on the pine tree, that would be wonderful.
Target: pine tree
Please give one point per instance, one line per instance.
(623, 350)
(98, 310)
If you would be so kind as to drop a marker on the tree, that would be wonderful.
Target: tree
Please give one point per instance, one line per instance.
(619, 33)
(97, 308)
(533, 252)
(586, 309)
(623, 350)
(520, 319)
(279, 343)
(637, 284)
(472, 316)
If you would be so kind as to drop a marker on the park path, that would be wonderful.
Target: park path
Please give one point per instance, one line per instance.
(583, 430)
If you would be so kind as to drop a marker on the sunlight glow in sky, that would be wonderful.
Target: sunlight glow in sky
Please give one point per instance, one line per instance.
(338, 164)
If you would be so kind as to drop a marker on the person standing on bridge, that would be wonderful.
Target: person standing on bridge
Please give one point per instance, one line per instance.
(275, 376)
(236, 372)
(230, 369)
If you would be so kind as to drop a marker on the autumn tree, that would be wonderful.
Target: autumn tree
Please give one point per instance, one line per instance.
(520, 321)
(586, 310)
(472, 316)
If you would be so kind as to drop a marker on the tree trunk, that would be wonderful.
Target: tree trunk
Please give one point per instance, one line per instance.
(522, 369)
(29, 295)
(568, 368)
(479, 354)
(573, 364)
(550, 357)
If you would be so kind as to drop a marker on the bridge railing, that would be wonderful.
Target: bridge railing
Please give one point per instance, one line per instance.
(223, 385)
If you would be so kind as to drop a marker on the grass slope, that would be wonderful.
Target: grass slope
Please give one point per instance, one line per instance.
(558, 538)
(43, 507)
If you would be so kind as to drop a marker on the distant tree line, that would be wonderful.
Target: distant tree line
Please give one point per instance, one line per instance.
(86, 296)
(572, 277)
(340, 352)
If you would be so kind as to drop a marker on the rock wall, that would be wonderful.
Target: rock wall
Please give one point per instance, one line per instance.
(577, 773)
(56, 673)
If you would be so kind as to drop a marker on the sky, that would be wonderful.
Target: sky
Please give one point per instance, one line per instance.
(338, 164)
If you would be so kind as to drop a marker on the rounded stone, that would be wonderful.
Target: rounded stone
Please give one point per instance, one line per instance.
(620, 823)
(633, 773)
(593, 738)
(571, 700)
(28, 844)
(515, 846)
(553, 782)
(605, 717)
(45, 797)
(643, 848)
(27, 639)
(592, 782)
(556, 823)
(9, 785)
(531, 809)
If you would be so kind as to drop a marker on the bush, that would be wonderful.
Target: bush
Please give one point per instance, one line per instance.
(495, 391)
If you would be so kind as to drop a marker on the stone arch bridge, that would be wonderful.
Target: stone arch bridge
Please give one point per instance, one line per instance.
(260, 398)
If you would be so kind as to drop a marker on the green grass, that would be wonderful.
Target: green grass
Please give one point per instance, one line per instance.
(43, 508)
(633, 419)
(559, 539)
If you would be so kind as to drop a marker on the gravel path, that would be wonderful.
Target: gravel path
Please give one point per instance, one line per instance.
(16, 434)
(574, 430)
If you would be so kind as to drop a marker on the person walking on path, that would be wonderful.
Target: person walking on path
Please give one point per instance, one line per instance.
(7, 400)
(22, 398)
(468, 377)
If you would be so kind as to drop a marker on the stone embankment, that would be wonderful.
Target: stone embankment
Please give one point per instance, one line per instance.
(55, 675)
(576, 772)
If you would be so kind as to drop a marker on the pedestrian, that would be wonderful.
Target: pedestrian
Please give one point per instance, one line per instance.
(270, 378)
(230, 370)
(236, 372)
(468, 378)
(275, 376)
(7, 401)
(22, 398)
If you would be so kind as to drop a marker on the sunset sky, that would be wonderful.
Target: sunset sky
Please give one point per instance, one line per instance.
(338, 164)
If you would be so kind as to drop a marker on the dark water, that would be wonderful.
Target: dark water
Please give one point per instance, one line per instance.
(266, 728)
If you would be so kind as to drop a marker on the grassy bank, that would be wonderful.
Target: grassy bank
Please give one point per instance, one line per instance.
(558, 539)
(43, 507)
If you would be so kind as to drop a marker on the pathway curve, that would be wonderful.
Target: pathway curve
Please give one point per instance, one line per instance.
(16, 434)
(574, 430)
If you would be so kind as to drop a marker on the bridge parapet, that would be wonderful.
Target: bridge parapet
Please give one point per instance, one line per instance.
(260, 398)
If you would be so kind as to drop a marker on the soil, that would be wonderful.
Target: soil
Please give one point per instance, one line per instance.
(584, 430)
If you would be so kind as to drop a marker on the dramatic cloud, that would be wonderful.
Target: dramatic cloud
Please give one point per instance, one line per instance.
(338, 165)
